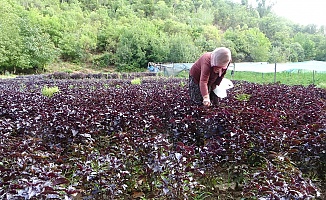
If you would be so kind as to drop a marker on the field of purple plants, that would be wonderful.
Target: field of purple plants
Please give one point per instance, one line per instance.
(111, 138)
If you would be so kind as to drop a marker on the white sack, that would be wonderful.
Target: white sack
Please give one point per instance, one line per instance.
(220, 90)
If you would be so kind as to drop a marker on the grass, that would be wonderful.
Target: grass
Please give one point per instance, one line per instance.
(7, 76)
(287, 78)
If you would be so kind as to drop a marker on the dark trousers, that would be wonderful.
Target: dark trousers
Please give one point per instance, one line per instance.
(195, 95)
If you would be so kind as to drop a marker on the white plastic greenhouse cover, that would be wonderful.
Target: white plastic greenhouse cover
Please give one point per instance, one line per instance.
(262, 67)
(317, 66)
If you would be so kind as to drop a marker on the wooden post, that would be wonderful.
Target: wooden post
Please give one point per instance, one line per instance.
(275, 74)
(313, 77)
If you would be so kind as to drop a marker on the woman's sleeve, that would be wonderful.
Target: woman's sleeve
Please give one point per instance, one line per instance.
(204, 78)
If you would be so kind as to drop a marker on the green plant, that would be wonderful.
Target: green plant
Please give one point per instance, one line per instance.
(50, 91)
(243, 97)
(136, 81)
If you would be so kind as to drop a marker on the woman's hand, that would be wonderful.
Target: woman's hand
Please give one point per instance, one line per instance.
(206, 101)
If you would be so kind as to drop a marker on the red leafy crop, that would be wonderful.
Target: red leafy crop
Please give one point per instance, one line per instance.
(107, 138)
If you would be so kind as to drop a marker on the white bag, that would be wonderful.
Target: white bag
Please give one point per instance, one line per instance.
(220, 90)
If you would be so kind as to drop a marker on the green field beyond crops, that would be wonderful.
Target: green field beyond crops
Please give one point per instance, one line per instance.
(288, 78)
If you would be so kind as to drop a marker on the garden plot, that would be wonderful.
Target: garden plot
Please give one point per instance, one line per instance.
(125, 139)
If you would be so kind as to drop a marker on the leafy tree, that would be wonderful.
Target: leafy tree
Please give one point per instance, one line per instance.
(183, 49)
(145, 7)
(244, 2)
(277, 55)
(238, 41)
(258, 45)
(311, 29)
(79, 35)
(129, 33)
(140, 44)
(208, 39)
(264, 7)
(108, 40)
(307, 44)
(158, 49)
(295, 52)
(11, 41)
(250, 44)
(162, 10)
(197, 4)
(271, 24)
(320, 44)
(23, 44)
(38, 49)
(172, 27)
(93, 4)
(322, 30)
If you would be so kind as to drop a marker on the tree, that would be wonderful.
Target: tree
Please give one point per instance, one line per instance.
(306, 42)
(258, 45)
(244, 3)
(250, 44)
(38, 50)
(182, 49)
(277, 55)
(162, 10)
(295, 52)
(264, 7)
(320, 45)
(23, 45)
(140, 44)
(10, 40)
(237, 39)
(311, 29)
(271, 24)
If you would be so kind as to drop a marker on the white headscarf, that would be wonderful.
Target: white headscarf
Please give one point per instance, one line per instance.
(220, 57)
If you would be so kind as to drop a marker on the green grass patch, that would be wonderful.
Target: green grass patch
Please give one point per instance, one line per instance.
(288, 78)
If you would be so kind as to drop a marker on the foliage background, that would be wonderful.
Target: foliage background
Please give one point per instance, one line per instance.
(37, 35)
